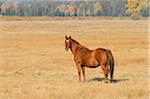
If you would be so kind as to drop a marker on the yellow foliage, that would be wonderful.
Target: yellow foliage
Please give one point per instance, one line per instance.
(70, 8)
(134, 6)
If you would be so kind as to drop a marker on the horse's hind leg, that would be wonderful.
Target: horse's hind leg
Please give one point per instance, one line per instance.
(105, 70)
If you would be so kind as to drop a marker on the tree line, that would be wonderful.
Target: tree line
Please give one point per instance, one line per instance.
(72, 8)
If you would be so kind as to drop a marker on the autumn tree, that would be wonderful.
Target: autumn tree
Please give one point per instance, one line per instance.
(97, 8)
(60, 9)
(9, 7)
(135, 6)
(70, 9)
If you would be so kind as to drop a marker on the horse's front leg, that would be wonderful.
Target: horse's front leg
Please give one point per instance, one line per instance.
(79, 70)
(83, 72)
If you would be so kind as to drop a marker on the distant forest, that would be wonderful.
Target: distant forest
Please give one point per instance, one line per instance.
(67, 8)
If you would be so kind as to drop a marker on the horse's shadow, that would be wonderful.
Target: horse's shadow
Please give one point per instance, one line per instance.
(95, 79)
(101, 79)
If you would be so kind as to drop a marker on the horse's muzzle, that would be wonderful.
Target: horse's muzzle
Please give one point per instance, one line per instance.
(66, 49)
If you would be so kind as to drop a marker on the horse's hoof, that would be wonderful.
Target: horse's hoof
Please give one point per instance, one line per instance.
(111, 81)
(106, 81)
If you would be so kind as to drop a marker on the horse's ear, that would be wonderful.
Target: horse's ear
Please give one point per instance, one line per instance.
(69, 37)
(65, 37)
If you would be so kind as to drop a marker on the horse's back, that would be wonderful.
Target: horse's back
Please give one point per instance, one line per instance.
(91, 58)
(101, 49)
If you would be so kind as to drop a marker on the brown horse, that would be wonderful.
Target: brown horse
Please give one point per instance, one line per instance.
(90, 58)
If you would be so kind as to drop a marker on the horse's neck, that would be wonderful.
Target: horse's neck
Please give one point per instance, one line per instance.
(74, 47)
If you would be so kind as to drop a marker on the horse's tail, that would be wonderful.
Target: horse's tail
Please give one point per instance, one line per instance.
(111, 63)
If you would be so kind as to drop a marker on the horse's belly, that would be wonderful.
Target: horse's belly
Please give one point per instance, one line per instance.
(91, 63)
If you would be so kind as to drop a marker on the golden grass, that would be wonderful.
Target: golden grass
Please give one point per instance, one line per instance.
(34, 64)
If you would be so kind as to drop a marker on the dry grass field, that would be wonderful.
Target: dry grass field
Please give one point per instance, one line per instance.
(35, 65)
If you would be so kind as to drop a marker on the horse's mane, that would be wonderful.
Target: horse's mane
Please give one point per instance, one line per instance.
(79, 44)
(75, 41)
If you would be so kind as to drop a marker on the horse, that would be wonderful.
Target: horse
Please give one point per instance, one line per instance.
(85, 57)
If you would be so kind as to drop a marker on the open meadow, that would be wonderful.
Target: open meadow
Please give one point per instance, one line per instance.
(35, 65)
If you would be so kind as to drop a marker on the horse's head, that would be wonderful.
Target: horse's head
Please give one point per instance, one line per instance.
(67, 42)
